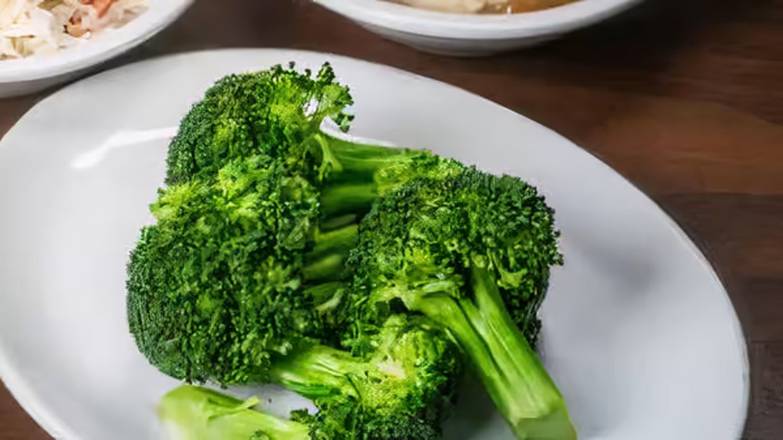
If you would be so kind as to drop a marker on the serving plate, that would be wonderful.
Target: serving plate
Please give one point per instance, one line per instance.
(28, 75)
(638, 330)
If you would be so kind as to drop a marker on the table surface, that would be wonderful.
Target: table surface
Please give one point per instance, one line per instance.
(684, 98)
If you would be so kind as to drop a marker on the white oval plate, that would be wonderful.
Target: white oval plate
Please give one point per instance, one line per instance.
(27, 75)
(638, 331)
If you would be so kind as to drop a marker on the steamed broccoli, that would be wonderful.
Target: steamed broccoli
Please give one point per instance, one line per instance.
(272, 112)
(194, 413)
(236, 284)
(278, 113)
(459, 251)
(397, 388)
(241, 240)
(258, 268)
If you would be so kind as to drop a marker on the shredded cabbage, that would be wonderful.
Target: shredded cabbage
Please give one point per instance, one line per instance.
(35, 27)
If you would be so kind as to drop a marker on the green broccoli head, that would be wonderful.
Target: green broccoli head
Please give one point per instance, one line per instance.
(196, 413)
(471, 253)
(346, 421)
(271, 112)
(213, 286)
(411, 378)
(429, 234)
(278, 113)
(398, 383)
(399, 390)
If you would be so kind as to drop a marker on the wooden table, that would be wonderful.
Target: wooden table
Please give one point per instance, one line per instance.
(684, 98)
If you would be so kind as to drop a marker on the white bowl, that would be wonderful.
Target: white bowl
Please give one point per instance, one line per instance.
(28, 75)
(473, 35)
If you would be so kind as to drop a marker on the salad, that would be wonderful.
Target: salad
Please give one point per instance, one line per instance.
(37, 27)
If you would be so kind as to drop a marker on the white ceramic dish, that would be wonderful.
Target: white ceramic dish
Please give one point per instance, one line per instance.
(638, 331)
(473, 35)
(28, 75)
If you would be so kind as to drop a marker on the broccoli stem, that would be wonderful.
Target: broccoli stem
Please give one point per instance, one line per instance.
(324, 293)
(337, 241)
(504, 361)
(317, 371)
(352, 185)
(339, 199)
(325, 262)
(195, 413)
(354, 161)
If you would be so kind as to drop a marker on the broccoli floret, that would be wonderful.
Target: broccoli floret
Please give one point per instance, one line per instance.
(245, 278)
(195, 413)
(399, 384)
(473, 254)
(236, 283)
(399, 391)
(271, 112)
(215, 285)
(278, 113)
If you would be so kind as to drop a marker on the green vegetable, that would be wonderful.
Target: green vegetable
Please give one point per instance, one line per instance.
(195, 413)
(399, 388)
(214, 287)
(236, 284)
(278, 113)
(461, 251)
(397, 392)
(246, 275)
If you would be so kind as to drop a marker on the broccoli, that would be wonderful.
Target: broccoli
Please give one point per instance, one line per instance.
(272, 112)
(258, 267)
(195, 413)
(397, 393)
(472, 254)
(240, 240)
(399, 387)
(278, 113)
(236, 284)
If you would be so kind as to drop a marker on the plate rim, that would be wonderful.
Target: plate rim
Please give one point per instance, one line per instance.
(417, 21)
(57, 428)
(110, 44)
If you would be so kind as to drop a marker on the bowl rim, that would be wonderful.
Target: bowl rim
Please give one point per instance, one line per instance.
(104, 46)
(402, 18)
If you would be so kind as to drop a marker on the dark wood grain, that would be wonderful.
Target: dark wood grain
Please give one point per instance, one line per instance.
(683, 97)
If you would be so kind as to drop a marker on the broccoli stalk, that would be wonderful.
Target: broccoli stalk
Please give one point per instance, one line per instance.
(396, 392)
(196, 413)
(470, 253)
(325, 261)
(508, 367)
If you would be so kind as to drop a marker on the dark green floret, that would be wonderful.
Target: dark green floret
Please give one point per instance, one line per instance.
(272, 112)
(278, 113)
(355, 274)
(214, 287)
(399, 391)
(472, 254)
(237, 284)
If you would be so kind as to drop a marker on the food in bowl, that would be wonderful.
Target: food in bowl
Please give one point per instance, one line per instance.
(37, 27)
(485, 6)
